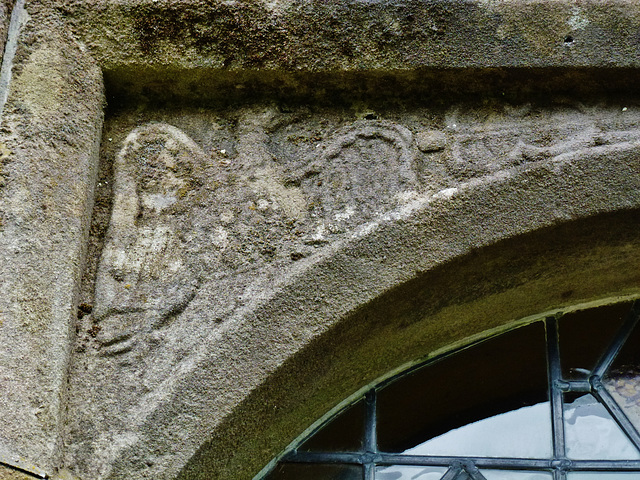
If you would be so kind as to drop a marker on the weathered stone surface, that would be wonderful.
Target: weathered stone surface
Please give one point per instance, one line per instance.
(5, 16)
(49, 141)
(163, 50)
(438, 306)
(294, 198)
(383, 35)
(431, 141)
(10, 474)
(144, 280)
(239, 238)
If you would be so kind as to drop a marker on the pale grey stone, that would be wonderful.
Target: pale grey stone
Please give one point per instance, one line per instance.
(431, 141)
(49, 144)
(293, 199)
(143, 280)
(296, 197)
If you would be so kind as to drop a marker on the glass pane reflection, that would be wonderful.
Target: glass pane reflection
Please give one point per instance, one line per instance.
(511, 475)
(623, 378)
(401, 472)
(489, 400)
(499, 375)
(522, 433)
(344, 433)
(591, 433)
(584, 337)
(624, 387)
(603, 476)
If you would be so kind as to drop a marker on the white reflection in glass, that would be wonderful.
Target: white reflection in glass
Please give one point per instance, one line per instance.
(521, 433)
(603, 476)
(591, 433)
(410, 473)
(511, 475)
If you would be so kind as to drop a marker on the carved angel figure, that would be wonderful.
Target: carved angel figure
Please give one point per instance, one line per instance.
(143, 280)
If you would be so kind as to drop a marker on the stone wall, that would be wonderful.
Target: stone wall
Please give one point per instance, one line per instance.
(6, 6)
(280, 202)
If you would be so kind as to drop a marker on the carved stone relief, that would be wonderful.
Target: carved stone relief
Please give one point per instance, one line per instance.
(209, 210)
(356, 174)
(487, 144)
(144, 279)
(186, 214)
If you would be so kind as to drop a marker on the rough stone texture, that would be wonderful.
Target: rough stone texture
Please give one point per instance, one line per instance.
(10, 474)
(346, 35)
(7, 473)
(239, 239)
(293, 199)
(163, 50)
(49, 141)
(5, 16)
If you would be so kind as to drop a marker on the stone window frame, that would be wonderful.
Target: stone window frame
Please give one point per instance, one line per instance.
(558, 464)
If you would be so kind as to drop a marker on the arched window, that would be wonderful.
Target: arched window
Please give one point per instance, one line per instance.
(556, 399)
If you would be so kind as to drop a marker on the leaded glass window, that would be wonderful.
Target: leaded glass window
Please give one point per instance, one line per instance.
(556, 399)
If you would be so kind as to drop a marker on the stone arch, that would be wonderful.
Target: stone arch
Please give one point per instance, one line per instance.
(447, 267)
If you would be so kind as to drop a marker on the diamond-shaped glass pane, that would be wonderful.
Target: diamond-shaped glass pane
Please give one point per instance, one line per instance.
(401, 472)
(585, 335)
(622, 380)
(624, 387)
(591, 433)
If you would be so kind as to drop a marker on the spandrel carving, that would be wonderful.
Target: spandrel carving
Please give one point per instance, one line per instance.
(265, 175)
(263, 188)
(360, 171)
(183, 218)
(211, 219)
(485, 151)
(144, 278)
(484, 143)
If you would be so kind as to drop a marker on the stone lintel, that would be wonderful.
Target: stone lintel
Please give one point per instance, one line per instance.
(295, 35)
(199, 49)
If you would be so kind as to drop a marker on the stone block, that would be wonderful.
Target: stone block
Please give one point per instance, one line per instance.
(49, 140)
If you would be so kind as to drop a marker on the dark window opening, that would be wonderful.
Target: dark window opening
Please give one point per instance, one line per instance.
(558, 399)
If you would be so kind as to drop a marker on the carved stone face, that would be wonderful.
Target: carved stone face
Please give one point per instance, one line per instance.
(163, 177)
(164, 161)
